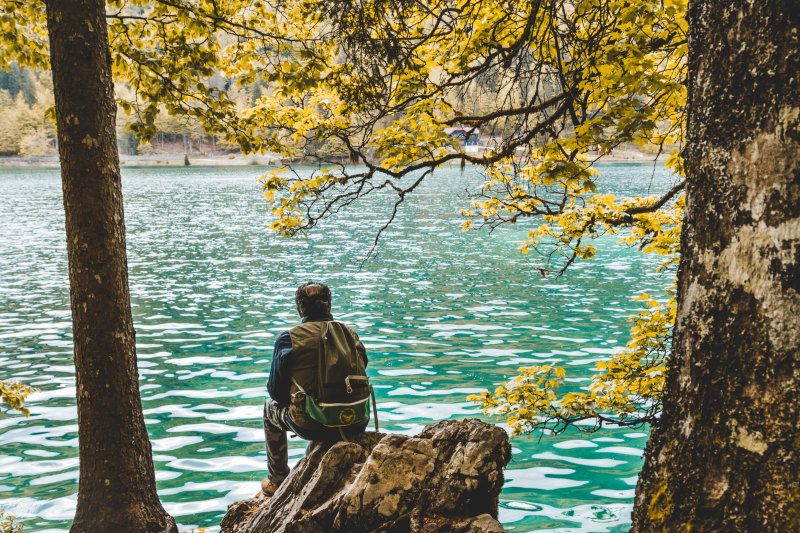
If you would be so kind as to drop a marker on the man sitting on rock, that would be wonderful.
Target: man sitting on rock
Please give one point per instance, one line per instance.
(317, 384)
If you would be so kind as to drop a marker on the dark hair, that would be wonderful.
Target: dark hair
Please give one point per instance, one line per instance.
(313, 299)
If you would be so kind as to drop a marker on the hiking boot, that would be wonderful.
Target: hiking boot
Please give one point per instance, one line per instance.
(268, 488)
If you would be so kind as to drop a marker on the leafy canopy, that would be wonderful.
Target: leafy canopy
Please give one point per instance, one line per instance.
(551, 84)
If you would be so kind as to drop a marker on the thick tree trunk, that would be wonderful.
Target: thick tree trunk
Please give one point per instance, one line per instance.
(725, 455)
(117, 488)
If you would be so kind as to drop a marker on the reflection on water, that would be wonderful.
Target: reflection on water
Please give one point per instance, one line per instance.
(443, 314)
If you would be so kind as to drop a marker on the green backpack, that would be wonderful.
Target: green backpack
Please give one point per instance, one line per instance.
(342, 395)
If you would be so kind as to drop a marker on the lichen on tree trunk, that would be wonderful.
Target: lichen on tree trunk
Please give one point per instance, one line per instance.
(117, 490)
(725, 455)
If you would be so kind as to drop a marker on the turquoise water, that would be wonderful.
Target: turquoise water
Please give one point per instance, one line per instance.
(443, 314)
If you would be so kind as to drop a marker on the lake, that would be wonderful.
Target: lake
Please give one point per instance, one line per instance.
(443, 314)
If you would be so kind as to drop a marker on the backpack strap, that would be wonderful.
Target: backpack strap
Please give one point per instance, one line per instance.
(296, 384)
(354, 378)
(374, 407)
(321, 358)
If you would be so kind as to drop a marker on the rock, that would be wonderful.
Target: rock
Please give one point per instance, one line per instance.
(447, 479)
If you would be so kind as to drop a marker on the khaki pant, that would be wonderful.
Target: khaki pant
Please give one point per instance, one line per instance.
(275, 428)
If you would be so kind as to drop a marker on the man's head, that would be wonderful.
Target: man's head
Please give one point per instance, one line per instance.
(313, 299)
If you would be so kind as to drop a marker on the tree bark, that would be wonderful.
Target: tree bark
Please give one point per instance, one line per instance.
(725, 455)
(117, 488)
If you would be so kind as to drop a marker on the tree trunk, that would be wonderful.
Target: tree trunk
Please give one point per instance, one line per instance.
(725, 455)
(117, 488)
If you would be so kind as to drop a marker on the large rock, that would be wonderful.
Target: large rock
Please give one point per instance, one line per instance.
(446, 479)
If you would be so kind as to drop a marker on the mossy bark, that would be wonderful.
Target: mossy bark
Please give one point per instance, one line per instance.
(117, 488)
(725, 455)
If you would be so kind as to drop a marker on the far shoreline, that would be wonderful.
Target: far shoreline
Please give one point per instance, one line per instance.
(237, 160)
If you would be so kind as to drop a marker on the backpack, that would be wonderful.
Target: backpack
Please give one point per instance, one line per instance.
(342, 394)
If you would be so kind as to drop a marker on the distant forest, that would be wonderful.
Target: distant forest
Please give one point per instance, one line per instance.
(28, 130)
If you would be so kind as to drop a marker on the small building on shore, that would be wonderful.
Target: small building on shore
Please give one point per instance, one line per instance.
(466, 136)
